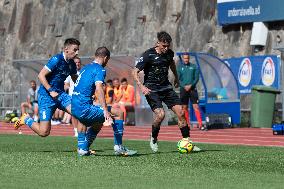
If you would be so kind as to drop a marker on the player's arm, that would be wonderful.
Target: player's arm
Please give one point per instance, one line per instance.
(135, 74)
(110, 95)
(42, 78)
(143, 60)
(101, 95)
(102, 101)
(66, 86)
(74, 77)
(174, 70)
(196, 77)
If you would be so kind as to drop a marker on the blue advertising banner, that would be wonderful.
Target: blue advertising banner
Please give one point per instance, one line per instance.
(241, 11)
(255, 70)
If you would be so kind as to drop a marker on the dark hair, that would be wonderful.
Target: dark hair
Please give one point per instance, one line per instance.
(71, 41)
(116, 78)
(77, 58)
(109, 81)
(102, 52)
(123, 80)
(33, 81)
(164, 37)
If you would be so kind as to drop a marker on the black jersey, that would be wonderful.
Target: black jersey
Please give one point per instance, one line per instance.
(156, 69)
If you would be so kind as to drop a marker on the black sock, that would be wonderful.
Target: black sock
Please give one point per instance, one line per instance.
(185, 131)
(155, 133)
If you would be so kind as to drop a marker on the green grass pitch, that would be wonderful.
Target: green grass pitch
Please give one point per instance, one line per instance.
(52, 162)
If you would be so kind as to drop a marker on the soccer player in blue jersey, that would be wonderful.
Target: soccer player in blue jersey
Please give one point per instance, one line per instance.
(91, 117)
(51, 94)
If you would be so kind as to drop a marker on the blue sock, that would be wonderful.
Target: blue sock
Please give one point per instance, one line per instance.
(82, 141)
(29, 121)
(91, 135)
(118, 131)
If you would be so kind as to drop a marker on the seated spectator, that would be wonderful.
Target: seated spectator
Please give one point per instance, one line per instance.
(126, 97)
(116, 89)
(109, 92)
(31, 102)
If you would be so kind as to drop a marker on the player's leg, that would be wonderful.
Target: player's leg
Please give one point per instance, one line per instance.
(92, 132)
(197, 114)
(184, 98)
(47, 107)
(118, 128)
(155, 103)
(83, 148)
(182, 124)
(89, 125)
(184, 129)
(24, 106)
(74, 124)
(194, 101)
(35, 110)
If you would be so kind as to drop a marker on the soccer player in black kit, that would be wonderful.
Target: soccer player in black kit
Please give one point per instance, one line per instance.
(155, 62)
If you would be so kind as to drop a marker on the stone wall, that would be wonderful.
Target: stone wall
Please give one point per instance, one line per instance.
(36, 29)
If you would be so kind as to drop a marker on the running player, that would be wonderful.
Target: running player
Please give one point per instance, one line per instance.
(188, 77)
(92, 117)
(155, 62)
(51, 93)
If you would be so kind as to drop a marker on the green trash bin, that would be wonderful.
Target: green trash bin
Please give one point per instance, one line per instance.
(262, 106)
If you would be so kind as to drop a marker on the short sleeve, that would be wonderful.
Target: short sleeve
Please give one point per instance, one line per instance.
(68, 79)
(143, 60)
(30, 93)
(52, 63)
(100, 76)
(171, 55)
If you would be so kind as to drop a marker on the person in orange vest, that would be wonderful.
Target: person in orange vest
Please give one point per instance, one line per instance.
(109, 92)
(116, 90)
(128, 93)
(124, 96)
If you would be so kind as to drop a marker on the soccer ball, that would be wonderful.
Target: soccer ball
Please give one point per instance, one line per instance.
(184, 146)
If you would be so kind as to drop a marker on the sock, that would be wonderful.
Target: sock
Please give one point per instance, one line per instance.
(35, 118)
(118, 131)
(186, 113)
(155, 133)
(75, 131)
(198, 117)
(29, 121)
(91, 135)
(82, 142)
(185, 131)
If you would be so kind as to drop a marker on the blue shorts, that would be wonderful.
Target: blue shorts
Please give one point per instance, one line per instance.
(89, 115)
(47, 105)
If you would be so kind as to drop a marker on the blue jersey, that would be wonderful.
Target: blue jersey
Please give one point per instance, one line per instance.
(85, 86)
(60, 70)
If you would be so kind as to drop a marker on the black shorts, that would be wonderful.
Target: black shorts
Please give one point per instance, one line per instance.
(186, 95)
(169, 97)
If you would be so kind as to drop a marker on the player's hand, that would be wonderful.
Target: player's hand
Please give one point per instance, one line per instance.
(176, 83)
(145, 90)
(108, 119)
(187, 87)
(53, 94)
